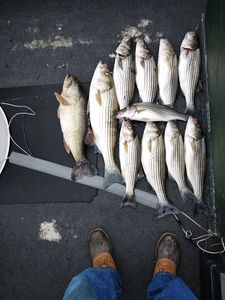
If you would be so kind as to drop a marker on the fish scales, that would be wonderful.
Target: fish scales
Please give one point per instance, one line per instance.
(146, 72)
(103, 106)
(195, 157)
(175, 159)
(167, 73)
(72, 116)
(124, 82)
(130, 156)
(154, 164)
(123, 73)
(189, 67)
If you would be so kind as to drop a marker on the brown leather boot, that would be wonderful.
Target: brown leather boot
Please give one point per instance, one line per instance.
(167, 254)
(100, 249)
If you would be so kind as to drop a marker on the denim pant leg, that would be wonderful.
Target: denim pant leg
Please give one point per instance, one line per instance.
(164, 285)
(95, 284)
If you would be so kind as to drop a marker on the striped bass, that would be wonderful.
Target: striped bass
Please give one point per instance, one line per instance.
(103, 107)
(175, 159)
(146, 72)
(195, 157)
(72, 115)
(150, 112)
(124, 73)
(189, 67)
(167, 73)
(130, 159)
(153, 162)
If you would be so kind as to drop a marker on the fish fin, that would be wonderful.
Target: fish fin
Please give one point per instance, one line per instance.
(199, 208)
(133, 71)
(150, 146)
(120, 64)
(190, 109)
(187, 195)
(142, 62)
(159, 100)
(61, 99)
(98, 98)
(199, 86)
(88, 108)
(90, 137)
(83, 168)
(169, 105)
(58, 112)
(125, 147)
(193, 146)
(112, 176)
(140, 174)
(141, 109)
(96, 149)
(67, 148)
(170, 176)
(128, 201)
(165, 210)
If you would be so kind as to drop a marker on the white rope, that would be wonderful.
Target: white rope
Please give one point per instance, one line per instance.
(29, 112)
(202, 238)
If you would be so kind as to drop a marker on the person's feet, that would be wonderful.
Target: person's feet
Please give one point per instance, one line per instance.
(167, 254)
(100, 249)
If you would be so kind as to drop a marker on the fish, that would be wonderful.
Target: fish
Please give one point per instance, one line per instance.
(150, 112)
(154, 165)
(124, 73)
(189, 68)
(130, 160)
(72, 115)
(146, 72)
(103, 107)
(167, 73)
(175, 159)
(195, 159)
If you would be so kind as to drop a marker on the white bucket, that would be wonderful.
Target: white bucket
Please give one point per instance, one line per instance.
(4, 139)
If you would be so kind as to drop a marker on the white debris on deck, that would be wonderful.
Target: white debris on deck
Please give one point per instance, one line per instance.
(142, 29)
(137, 31)
(144, 23)
(48, 231)
(57, 42)
(112, 55)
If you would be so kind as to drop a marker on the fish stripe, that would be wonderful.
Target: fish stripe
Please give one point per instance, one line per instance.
(154, 165)
(189, 70)
(124, 80)
(146, 79)
(195, 164)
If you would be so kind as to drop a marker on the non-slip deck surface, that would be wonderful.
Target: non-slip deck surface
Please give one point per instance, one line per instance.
(36, 269)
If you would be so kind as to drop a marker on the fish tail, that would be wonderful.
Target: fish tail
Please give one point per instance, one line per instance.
(112, 176)
(190, 107)
(183, 117)
(199, 208)
(165, 210)
(83, 168)
(171, 105)
(128, 201)
(187, 195)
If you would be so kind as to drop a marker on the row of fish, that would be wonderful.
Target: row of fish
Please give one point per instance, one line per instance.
(148, 77)
(103, 110)
(155, 153)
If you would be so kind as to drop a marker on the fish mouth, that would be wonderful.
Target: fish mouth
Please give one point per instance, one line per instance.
(119, 115)
(127, 123)
(69, 80)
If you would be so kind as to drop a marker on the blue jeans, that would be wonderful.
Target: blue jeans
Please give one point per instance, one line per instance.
(105, 284)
